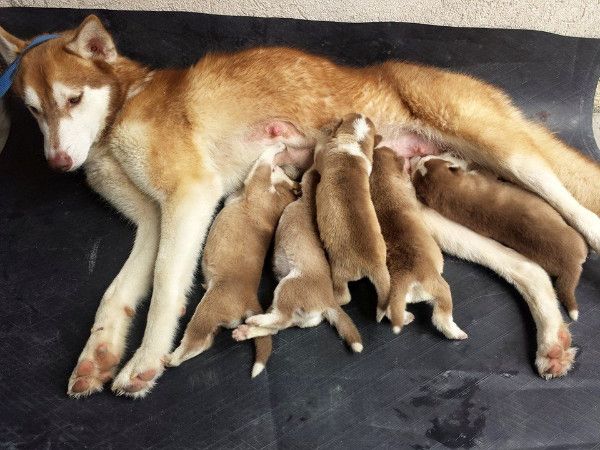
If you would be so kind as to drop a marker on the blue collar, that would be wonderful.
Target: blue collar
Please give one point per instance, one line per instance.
(6, 79)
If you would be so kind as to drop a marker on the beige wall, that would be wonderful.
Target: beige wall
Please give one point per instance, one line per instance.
(570, 17)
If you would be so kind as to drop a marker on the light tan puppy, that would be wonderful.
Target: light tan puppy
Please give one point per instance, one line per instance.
(506, 213)
(345, 214)
(233, 259)
(414, 260)
(304, 295)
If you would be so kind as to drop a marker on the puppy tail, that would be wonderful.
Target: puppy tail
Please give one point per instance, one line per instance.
(345, 327)
(565, 285)
(263, 346)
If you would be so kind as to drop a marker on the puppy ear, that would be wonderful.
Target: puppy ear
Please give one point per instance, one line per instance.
(92, 41)
(10, 46)
(331, 127)
(377, 140)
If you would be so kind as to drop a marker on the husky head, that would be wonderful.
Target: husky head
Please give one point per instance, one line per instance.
(69, 85)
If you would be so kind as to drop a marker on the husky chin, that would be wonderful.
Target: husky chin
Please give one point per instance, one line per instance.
(163, 146)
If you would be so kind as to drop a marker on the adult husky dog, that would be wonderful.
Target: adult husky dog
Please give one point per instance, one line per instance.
(164, 146)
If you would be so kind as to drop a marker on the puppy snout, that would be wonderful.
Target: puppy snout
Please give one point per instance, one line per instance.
(60, 161)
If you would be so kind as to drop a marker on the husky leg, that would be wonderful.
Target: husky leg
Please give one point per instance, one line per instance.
(185, 217)
(554, 355)
(105, 346)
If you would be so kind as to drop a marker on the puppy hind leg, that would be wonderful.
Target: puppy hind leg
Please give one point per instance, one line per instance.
(199, 333)
(396, 307)
(341, 292)
(565, 286)
(381, 280)
(442, 309)
(271, 319)
(263, 344)
(263, 347)
(345, 327)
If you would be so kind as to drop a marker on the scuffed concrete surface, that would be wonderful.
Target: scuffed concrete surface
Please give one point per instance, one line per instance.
(569, 17)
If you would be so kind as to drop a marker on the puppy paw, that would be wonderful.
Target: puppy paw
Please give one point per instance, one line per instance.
(241, 333)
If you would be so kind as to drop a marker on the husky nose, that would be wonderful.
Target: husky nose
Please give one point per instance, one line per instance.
(60, 161)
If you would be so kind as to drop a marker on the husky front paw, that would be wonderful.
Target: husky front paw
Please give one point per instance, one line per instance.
(138, 376)
(96, 365)
(556, 359)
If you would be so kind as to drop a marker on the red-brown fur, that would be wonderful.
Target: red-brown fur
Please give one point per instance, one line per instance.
(345, 214)
(508, 214)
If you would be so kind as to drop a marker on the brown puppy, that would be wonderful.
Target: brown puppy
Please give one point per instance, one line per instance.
(506, 213)
(304, 296)
(233, 259)
(414, 260)
(345, 214)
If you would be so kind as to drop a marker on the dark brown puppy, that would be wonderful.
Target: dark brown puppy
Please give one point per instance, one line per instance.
(414, 260)
(506, 213)
(345, 214)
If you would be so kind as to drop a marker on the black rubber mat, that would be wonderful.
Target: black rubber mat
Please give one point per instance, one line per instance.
(60, 246)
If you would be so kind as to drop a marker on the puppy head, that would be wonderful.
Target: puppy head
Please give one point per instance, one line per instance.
(357, 128)
(390, 162)
(436, 165)
(282, 183)
(267, 171)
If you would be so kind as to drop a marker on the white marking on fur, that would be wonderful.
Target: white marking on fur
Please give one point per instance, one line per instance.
(357, 347)
(574, 314)
(266, 157)
(79, 129)
(31, 98)
(456, 162)
(353, 149)
(278, 176)
(361, 128)
(257, 368)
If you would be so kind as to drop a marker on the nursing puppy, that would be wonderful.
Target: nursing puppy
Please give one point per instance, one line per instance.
(414, 260)
(345, 214)
(233, 260)
(506, 213)
(304, 295)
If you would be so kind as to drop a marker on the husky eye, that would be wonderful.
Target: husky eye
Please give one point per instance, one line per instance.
(33, 110)
(75, 100)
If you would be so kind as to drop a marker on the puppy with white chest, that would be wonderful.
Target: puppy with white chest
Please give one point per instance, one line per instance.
(345, 214)
(233, 259)
(414, 260)
(304, 295)
(506, 213)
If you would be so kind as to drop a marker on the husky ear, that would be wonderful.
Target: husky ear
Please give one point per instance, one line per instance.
(10, 46)
(92, 41)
